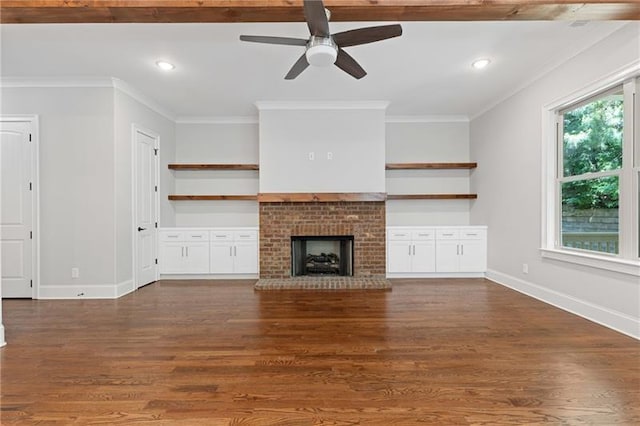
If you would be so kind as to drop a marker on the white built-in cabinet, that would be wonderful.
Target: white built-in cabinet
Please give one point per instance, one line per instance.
(461, 250)
(184, 252)
(234, 251)
(208, 251)
(436, 251)
(411, 250)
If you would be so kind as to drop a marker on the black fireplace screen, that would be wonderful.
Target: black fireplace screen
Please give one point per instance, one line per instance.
(322, 255)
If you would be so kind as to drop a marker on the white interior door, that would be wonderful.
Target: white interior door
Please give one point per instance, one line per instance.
(145, 207)
(16, 214)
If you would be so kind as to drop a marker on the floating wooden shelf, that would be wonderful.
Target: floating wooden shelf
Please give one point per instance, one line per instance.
(423, 166)
(213, 197)
(432, 196)
(213, 166)
(320, 197)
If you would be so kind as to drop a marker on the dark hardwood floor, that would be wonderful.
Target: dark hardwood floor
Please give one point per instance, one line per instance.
(216, 353)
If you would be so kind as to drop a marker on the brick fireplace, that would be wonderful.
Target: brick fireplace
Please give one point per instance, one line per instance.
(279, 221)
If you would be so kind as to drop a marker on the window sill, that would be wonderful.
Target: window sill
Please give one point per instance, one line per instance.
(623, 266)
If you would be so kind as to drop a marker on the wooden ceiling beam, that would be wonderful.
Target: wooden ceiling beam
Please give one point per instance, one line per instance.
(175, 11)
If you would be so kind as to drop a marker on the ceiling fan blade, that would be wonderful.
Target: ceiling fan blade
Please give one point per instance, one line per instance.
(349, 65)
(316, 18)
(300, 65)
(366, 35)
(275, 40)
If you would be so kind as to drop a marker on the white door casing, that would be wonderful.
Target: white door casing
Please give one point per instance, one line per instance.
(145, 206)
(18, 167)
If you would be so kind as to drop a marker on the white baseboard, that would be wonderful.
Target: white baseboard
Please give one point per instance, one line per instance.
(392, 275)
(208, 277)
(124, 287)
(617, 321)
(101, 291)
(2, 341)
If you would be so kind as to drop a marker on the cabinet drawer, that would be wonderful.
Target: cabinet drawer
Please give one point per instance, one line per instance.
(447, 234)
(473, 234)
(171, 236)
(221, 235)
(196, 236)
(399, 235)
(423, 235)
(248, 235)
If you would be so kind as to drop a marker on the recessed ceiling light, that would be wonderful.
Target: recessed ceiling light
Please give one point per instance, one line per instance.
(480, 63)
(165, 66)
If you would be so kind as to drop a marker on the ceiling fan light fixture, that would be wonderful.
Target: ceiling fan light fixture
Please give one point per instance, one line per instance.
(321, 55)
(321, 51)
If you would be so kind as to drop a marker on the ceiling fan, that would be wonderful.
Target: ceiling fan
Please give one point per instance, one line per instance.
(323, 48)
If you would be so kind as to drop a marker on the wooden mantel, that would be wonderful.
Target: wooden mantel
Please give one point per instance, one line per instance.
(165, 11)
(319, 197)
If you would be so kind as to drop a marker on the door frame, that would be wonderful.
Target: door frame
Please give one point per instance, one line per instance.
(33, 119)
(135, 129)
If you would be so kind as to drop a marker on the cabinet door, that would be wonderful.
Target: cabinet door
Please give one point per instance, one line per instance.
(423, 257)
(172, 258)
(398, 256)
(221, 258)
(473, 256)
(196, 258)
(245, 257)
(447, 256)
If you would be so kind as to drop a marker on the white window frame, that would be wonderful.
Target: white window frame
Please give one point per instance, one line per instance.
(627, 261)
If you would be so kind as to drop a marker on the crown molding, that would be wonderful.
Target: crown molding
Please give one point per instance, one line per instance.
(41, 82)
(543, 73)
(320, 105)
(134, 93)
(89, 82)
(231, 119)
(427, 119)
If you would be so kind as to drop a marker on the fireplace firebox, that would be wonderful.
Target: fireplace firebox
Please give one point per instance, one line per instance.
(322, 255)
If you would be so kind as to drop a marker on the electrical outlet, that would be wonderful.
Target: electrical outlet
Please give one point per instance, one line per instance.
(312, 156)
(75, 272)
(525, 268)
(329, 155)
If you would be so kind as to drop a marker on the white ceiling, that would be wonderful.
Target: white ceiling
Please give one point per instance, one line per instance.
(425, 72)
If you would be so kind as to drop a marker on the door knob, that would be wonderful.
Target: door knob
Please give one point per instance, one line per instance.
(141, 229)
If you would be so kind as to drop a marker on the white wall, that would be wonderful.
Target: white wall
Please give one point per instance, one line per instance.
(220, 142)
(429, 141)
(353, 134)
(506, 141)
(129, 111)
(77, 185)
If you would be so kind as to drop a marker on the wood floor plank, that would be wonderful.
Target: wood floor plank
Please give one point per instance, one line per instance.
(463, 352)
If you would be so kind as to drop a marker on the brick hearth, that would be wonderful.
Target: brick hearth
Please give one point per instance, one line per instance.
(364, 220)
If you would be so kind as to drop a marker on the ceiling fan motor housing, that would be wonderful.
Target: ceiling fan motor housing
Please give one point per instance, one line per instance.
(321, 51)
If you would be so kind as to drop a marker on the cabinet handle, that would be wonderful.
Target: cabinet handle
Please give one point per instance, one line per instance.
(414, 249)
(244, 236)
(472, 235)
(182, 248)
(462, 249)
(196, 236)
(457, 249)
(187, 251)
(235, 251)
(447, 235)
(409, 249)
(230, 251)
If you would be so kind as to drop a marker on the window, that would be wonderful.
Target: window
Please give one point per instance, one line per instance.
(592, 195)
(590, 164)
